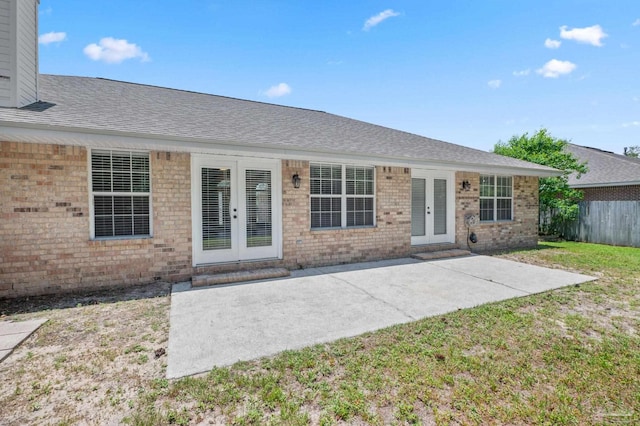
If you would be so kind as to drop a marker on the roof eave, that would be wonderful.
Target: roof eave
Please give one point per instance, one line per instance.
(605, 184)
(62, 135)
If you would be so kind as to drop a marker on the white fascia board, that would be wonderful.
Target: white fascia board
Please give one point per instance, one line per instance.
(607, 184)
(120, 140)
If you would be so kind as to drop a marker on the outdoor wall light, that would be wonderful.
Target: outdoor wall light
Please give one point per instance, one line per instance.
(295, 179)
(466, 185)
(473, 238)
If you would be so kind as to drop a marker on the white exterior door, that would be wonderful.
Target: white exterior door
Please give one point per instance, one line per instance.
(432, 207)
(235, 209)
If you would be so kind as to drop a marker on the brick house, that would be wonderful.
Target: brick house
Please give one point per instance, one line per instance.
(111, 183)
(611, 177)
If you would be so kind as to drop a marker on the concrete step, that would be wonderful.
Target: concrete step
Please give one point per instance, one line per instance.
(238, 276)
(442, 254)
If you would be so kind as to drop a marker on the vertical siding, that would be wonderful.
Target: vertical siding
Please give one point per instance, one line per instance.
(18, 52)
(5, 52)
(27, 52)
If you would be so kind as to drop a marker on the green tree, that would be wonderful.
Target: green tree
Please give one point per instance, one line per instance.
(632, 151)
(558, 202)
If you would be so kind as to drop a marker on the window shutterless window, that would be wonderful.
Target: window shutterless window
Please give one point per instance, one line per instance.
(341, 196)
(496, 198)
(120, 190)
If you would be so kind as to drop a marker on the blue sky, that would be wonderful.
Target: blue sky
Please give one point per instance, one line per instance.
(470, 72)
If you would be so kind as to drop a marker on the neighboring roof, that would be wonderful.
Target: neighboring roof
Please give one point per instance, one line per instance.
(605, 168)
(83, 105)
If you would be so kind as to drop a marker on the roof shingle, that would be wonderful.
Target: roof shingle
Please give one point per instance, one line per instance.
(605, 168)
(101, 105)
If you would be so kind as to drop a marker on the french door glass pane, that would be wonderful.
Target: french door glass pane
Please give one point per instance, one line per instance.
(216, 218)
(439, 206)
(418, 204)
(258, 197)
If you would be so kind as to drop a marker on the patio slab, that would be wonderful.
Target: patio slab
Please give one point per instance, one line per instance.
(218, 326)
(14, 333)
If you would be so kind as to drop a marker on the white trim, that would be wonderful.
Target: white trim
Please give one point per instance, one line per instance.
(236, 164)
(14, 132)
(430, 176)
(495, 199)
(608, 184)
(343, 196)
(92, 229)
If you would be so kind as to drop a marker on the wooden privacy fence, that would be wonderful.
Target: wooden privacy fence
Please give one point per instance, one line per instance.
(607, 222)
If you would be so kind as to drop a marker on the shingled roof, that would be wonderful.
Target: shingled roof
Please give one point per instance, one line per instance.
(101, 106)
(605, 168)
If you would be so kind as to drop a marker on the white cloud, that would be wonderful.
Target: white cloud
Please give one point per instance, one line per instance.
(278, 90)
(631, 124)
(114, 51)
(552, 44)
(52, 37)
(376, 19)
(636, 23)
(555, 68)
(521, 73)
(494, 84)
(588, 35)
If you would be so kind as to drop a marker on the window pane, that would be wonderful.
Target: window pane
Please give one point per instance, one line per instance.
(141, 205)
(504, 209)
(101, 180)
(487, 184)
(123, 225)
(337, 187)
(418, 207)
(104, 226)
(124, 172)
(140, 182)
(103, 206)
(141, 225)
(315, 186)
(121, 161)
(486, 210)
(439, 206)
(336, 220)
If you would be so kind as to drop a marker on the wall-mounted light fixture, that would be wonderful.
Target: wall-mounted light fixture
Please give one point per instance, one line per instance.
(466, 185)
(295, 179)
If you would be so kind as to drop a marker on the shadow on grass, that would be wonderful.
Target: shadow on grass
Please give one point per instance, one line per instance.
(541, 246)
(23, 305)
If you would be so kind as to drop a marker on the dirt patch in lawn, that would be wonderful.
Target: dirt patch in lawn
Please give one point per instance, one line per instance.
(90, 360)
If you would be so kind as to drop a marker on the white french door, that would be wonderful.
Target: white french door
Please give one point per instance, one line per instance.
(432, 207)
(235, 209)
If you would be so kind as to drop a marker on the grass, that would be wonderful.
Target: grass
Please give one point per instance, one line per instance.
(565, 357)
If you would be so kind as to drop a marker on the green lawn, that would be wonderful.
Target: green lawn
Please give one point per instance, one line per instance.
(570, 356)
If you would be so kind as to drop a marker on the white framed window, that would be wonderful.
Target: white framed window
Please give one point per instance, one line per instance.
(342, 196)
(496, 198)
(120, 194)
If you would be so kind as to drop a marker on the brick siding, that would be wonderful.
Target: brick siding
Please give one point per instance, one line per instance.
(44, 232)
(612, 193)
(391, 237)
(522, 231)
(45, 244)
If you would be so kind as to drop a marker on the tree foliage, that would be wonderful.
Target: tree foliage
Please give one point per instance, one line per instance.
(558, 202)
(632, 151)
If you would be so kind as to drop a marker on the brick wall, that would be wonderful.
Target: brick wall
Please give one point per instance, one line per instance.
(522, 231)
(612, 193)
(44, 232)
(45, 244)
(391, 237)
